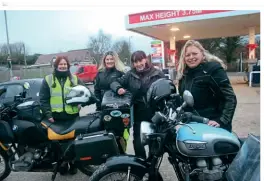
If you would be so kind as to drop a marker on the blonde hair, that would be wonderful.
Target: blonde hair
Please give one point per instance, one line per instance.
(208, 57)
(119, 65)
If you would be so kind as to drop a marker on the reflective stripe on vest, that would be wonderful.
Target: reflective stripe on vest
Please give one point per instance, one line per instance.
(56, 97)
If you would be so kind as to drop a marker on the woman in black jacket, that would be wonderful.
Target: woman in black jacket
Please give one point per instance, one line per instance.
(203, 74)
(137, 81)
(110, 69)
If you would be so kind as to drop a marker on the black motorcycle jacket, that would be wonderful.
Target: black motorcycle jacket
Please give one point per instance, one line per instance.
(102, 83)
(138, 84)
(213, 94)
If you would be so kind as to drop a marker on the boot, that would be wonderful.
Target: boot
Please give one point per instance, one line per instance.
(63, 170)
(73, 169)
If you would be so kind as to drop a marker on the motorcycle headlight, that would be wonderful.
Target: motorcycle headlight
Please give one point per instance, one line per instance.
(146, 128)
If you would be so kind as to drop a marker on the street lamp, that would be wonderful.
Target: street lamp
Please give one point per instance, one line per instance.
(129, 46)
(9, 62)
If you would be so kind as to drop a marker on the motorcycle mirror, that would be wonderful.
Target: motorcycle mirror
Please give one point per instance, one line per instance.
(26, 85)
(188, 98)
(2, 90)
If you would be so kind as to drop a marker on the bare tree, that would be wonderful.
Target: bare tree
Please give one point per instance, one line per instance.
(16, 50)
(122, 48)
(99, 45)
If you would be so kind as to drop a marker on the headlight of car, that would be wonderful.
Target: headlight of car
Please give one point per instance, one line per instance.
(146, 128)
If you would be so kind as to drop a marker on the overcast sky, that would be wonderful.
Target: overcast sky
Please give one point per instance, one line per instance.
(62, 30)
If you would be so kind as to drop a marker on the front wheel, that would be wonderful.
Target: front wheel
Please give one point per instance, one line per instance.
(104, 173)
(88, 169)
(4, 166)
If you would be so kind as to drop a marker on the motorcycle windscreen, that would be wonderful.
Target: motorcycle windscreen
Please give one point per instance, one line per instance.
(246, 165)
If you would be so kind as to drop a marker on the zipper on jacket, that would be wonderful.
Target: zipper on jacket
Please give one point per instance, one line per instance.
(62, 91)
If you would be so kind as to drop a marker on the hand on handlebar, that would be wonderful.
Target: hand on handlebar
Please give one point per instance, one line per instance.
(214, 124)
(121, 91)
(51, 120)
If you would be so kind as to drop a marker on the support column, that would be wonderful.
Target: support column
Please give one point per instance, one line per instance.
(252, 54)
(172, 48)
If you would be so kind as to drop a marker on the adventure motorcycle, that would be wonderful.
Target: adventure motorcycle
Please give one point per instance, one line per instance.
(196, 150)
(32, 144)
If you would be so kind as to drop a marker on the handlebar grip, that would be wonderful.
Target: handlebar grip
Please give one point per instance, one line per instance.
(199, 119)
(173, 95)
(28, 98)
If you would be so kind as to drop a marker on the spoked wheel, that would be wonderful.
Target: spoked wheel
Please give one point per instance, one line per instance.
(4, 167)
(88, 169)
(120, 176)
(124, 173)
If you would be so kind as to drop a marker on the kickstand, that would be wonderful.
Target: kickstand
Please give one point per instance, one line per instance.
(55, 171)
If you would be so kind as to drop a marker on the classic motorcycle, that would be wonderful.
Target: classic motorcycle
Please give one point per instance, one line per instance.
(29, 143)
(196, 150)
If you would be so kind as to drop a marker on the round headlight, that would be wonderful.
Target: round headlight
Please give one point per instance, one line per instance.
(146, 128)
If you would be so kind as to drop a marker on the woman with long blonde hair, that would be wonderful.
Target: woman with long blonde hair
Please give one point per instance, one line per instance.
(110, 69)
(203, 74)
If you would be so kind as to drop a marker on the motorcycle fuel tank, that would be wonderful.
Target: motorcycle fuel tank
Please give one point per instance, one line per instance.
(27, 132)
(201, 140)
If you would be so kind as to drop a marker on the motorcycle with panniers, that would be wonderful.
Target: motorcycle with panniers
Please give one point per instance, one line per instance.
(197, 151)
(29, 143)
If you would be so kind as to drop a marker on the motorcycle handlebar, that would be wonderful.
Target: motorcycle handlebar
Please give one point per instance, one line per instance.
(199, 119)
(12, 106)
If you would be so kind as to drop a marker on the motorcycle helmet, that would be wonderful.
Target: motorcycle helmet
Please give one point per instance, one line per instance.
(78, 95)
(160, 89)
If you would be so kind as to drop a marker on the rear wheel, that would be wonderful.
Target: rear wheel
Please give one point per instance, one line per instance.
(4, 166)
(104, 173)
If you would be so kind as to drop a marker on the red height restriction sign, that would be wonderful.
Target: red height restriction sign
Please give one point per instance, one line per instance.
(167, 14)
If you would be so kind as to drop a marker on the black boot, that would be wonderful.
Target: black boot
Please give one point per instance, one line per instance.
(63, 170)
(73, 169)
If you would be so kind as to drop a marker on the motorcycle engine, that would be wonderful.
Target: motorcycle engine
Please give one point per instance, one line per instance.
(205, 173)
(206, 169)
(26, 161)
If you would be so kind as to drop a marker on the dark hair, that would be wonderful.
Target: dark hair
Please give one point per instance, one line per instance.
(138, 56)
(56, 64)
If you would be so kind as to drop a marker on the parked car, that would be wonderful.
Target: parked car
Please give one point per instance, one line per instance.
(15, 87)
(85, 73)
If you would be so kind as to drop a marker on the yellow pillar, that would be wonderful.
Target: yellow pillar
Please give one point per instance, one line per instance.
(252, 54)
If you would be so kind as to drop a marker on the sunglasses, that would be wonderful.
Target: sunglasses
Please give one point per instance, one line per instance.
(109, 53)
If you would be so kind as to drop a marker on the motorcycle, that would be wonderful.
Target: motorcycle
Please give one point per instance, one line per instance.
(29, 143)
(196, 150)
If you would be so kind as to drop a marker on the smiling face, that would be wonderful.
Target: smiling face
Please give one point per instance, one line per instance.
(63, 66)
(109, 61)
(193, 56)
(140, 64)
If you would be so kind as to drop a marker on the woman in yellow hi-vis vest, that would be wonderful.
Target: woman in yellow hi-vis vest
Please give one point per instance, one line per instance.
(54, 89)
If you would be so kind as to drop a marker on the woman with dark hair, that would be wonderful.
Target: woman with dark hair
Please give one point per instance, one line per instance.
(53, 90)
(137, 81)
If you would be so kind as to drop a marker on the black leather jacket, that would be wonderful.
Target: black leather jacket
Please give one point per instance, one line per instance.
(102, 83)
(138, 84)
(213, 94)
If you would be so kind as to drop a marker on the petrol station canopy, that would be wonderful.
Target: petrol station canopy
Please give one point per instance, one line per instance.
(193, 24)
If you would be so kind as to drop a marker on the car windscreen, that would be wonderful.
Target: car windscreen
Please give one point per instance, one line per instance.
(73, 69)
(11, 91)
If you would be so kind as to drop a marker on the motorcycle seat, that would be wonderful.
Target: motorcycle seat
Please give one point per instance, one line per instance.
(62, 130)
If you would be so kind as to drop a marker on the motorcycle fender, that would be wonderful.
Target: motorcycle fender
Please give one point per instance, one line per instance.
(137, 164)
(3, 146)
